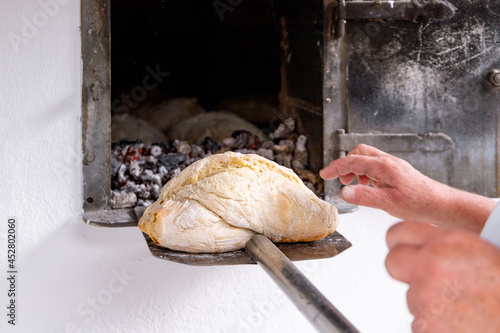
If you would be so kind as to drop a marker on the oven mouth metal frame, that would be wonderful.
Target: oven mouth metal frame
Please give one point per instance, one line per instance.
(96, 118)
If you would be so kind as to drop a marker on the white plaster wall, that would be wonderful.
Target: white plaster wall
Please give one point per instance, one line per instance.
(78, 278)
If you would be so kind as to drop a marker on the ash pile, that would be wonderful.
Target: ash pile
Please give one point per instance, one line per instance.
(140, 167)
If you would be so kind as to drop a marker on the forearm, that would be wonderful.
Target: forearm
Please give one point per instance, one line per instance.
(459, 209)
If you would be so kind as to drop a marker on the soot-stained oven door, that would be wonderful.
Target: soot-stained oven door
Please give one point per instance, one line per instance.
(424, 89)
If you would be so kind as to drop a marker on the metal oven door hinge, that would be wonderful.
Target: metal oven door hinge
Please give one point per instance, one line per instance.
(394, 142)
(408, 10)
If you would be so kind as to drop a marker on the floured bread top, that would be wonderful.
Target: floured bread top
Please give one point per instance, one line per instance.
(219, 202)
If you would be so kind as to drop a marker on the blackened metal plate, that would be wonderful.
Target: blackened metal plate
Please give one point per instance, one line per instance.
(326, 247)
(428, 77)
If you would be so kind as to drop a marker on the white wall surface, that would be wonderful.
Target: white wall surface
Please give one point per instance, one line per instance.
(78, 278)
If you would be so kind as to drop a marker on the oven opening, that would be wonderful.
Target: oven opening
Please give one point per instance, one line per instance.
(194, 78)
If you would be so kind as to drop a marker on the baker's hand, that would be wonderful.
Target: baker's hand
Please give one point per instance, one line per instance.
(398, 188)
(453, 277)
(402, 191)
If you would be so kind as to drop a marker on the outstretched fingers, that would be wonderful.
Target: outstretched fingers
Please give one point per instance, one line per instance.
(347, 179)
(364, 180)
(360, 165)
(359, 162)
(366, 196)
(366, 150)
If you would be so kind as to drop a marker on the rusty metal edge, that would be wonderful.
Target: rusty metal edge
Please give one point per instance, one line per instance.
(96, 118)
(335, 107)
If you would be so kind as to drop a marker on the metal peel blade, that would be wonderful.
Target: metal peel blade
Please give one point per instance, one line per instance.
(327, 247)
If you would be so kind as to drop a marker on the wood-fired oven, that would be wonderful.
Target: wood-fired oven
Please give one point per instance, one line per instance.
(418, 79)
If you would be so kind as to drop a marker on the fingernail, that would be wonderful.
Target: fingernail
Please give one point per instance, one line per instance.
(348, 193)
(321, 172)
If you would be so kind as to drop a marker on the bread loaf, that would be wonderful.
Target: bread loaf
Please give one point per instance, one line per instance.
(217, 203)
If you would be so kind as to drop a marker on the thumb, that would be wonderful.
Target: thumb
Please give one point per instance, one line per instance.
(364, 196)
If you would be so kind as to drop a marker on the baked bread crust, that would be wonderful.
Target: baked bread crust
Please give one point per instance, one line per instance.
(218, 203)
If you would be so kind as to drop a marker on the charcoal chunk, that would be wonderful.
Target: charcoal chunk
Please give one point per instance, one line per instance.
(164, 146)
(123, 199)
(126, 142)
(149, 165)
(115, 165)
(182, 147)
(245, 140)
(210, 145)
(267, 153)
(155, 150)
(115, 184)
(172, 160)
